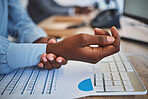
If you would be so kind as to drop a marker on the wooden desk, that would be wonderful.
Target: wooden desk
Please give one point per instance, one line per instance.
(138, 55)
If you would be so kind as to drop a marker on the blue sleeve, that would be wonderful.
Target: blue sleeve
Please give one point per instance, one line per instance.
(13, 56)
(21, 25)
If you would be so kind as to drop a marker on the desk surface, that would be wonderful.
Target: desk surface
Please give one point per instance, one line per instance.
(138, 55)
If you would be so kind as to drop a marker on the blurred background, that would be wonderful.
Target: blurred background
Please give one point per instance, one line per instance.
(126, 15)
(102, 4)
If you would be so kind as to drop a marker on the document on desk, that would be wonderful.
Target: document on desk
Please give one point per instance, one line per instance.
(70, 81)
(74, 81)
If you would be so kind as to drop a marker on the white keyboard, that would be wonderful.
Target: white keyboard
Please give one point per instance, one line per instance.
(27, 81)
(115, 74)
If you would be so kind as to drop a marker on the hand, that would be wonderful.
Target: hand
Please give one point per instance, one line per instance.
(77, 47)
(83, 10)
(50, 61)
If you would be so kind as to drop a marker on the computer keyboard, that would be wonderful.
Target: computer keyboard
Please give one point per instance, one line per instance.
(116, 74)
(27, 81)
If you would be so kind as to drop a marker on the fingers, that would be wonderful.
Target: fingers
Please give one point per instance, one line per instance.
(116, 36)
(45, 62)
(61, 60)
(51, 57)
(96, 54)
(98, 31)
(111, 49)
(40, 64)
(101, 40)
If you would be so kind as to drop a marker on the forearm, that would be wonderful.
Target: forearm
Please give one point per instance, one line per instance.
(23, 55)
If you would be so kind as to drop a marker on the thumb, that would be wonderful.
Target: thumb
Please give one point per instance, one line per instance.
(97, 40)
(99, 31)
(51, 41)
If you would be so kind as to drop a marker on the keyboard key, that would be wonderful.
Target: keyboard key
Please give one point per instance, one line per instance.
(122, 66)
(115, 74)
(126, 83)
(123, 73)
(99, 88)
(129, 88)
(129, 69)
(107, 78)
(117, 78)
(125, 78)
(107, 74)
(114, 88)
(98, 74)
(108, 83)
(99, 78)
(99, 83)
(117, 83)
(121, 69)
(114, 69)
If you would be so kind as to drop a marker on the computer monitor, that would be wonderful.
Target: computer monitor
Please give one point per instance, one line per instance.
(136, 9)
(134, 23)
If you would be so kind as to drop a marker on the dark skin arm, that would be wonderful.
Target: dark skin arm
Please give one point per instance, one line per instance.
(77, 47)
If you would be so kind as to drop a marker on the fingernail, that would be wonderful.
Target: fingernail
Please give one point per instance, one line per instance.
(50, 58)
(59, 60)
(52, 41)
(40, 65)
(115, 28)
(110, 39)
(98, 29)
(44, 59)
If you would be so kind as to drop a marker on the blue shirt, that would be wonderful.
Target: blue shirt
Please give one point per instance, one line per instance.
(14, 21)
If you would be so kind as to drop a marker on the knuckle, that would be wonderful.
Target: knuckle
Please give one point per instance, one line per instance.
(49, 68)
(117, 49)
(102, 39)
(82, 38)
(57, 67)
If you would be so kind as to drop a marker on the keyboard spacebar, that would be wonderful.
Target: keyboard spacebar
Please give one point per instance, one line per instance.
(114, 88)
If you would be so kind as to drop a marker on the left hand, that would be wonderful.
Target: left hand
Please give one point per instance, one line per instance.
(50, 61)
(45, 40)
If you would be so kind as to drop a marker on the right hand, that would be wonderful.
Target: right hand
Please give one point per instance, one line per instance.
(77, 47)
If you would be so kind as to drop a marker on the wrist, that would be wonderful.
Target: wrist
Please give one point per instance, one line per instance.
(57, 49)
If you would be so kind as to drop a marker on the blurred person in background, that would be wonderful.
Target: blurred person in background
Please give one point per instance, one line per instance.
(42, 9)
